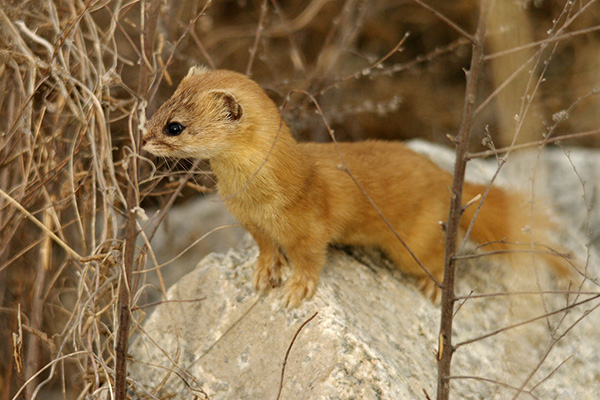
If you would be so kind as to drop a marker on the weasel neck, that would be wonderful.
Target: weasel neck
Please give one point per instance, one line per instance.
(262, 173)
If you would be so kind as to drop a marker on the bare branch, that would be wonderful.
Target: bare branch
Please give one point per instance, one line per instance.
(446, 349)
(125, 288)
(504, 329)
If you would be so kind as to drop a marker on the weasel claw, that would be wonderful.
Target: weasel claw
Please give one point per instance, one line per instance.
(265, 278)
(297, 290)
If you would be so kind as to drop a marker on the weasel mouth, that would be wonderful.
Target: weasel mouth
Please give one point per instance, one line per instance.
(157, 147)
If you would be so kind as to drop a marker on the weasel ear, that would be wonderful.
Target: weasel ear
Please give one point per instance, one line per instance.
(232, 106)
(197, 70)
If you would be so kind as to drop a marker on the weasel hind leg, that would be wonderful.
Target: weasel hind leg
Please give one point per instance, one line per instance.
(430, 289)
(434, 262)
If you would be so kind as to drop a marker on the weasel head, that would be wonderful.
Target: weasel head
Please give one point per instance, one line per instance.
(203, 118)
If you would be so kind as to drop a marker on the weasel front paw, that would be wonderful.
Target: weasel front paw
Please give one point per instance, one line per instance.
(298, 289)
(265, 278)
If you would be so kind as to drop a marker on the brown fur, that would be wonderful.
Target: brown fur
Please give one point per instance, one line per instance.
(295, 197)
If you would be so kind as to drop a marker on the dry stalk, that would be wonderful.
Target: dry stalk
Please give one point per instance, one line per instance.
(259, 30)
(537, 318)
(446, 20)
(446, 349)
(287, 353)
(150, 17)
(33, 355)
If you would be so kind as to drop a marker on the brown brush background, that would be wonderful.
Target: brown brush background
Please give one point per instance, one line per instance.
(69, 75)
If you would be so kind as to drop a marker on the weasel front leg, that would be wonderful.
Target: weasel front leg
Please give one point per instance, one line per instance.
(307, 260)
(267, 272)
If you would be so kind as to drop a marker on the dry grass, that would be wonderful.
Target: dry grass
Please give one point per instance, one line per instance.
(75, 76)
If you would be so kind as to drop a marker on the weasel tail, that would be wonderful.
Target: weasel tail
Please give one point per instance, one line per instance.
(295, 199)
(507, 224)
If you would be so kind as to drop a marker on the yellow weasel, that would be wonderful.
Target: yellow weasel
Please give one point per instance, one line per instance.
(295, 199)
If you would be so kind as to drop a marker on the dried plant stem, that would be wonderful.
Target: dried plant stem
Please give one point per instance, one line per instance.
(529, 321)
(446, 350)
(446, 20)
(125, 290)
(369, 69)
(124, 307)
(551, 39)
(259, 30)
(549, 348)
(33, 348)
(537, 143)
(47, 231)
(493, 381)
(287, 353)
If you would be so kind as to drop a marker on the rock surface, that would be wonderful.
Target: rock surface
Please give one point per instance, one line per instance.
(374, 335)
(191, 231)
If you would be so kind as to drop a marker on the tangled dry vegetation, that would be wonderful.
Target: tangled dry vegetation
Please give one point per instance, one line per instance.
(77, 75)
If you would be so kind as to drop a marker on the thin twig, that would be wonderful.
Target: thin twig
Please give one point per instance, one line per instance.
(529, 293)
(259, 29)
(535, 56)
(157, 303)
(51, 365)
(287, 353)
(551, 374)
(553, 38)
(367, 70)
(537, 143)
(482, 379)
(447, 20)
(553, 342)
(506, 328)
(43, 227)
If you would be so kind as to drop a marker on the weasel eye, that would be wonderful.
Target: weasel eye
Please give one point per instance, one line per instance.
(173, 129)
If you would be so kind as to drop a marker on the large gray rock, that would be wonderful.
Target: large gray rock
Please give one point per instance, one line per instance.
(190, 232)
(375, 334)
